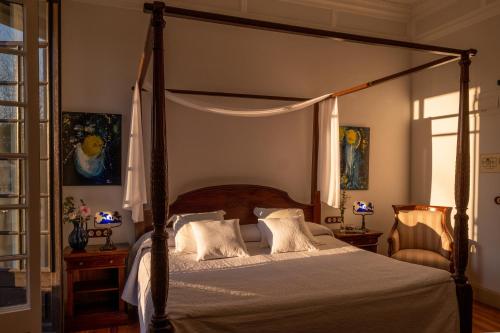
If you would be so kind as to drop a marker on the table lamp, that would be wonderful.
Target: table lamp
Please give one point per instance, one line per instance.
(362, 208)
(105, 221)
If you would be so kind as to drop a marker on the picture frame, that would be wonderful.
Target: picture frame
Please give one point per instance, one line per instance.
(91, 148)
(354, 157)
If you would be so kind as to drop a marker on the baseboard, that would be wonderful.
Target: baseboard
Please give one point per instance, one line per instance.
(487, 296)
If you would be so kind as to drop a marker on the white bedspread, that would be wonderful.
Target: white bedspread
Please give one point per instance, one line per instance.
(337, 289)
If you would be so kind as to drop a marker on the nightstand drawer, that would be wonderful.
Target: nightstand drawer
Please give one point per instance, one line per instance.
(366, 241)
(93, 262)
(359, 241)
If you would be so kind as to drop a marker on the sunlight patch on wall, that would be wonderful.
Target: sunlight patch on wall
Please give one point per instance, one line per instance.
(416, 109)
(448, 104)
(444, 142)
(434, 152)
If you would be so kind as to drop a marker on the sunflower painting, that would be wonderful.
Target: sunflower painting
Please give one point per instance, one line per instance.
(91, 150)
(354, 157)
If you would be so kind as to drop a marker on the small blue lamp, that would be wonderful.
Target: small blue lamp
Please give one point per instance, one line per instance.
(108, 220)
(362, 208)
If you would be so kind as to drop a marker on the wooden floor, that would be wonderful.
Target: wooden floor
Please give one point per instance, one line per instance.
(485, 319)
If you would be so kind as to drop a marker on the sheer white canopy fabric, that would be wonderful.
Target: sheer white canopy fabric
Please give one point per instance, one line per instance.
(196, 105)
(328, 148)
(329, 152)
(135, 194)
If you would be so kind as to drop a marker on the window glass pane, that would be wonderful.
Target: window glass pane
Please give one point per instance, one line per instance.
(9, 220)
(10, 137)
(42, 22)
(12, 235)
(13, 282)
(11, 25)
(44, 214)
(9, 70)
(44, 172)
(42, 68)
(11, 172)
(44, 141)
(9, 93)
(12, 244)
(44, 251)
(43, 102)
(10, 112)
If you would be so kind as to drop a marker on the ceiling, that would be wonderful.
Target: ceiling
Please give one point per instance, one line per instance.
(420, 20)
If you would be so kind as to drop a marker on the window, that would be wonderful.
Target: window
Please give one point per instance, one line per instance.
(13, 159)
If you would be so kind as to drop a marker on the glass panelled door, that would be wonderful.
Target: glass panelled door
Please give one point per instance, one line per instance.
(20, 158)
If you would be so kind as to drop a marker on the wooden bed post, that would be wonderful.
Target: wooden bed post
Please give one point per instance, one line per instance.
(159, 185)
(462, 181)
(315, 194)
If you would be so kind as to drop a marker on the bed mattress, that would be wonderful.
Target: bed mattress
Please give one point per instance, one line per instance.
(339, 288)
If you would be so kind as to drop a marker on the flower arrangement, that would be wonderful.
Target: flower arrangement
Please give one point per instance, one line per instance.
(74, 214)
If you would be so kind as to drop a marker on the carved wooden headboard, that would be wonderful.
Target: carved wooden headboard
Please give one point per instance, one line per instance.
(238, 201)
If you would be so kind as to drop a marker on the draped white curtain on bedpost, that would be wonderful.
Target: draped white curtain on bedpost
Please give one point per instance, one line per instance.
(135, 195)
(329, 152)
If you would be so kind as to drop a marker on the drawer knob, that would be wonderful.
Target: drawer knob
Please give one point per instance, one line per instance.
(80, 263)
(111, 261)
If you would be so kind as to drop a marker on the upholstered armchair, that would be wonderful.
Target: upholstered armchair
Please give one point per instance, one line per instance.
(420, 236)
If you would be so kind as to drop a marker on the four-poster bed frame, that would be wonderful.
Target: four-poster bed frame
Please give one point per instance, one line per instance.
(159, 186)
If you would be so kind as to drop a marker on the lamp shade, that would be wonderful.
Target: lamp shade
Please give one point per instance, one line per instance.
(362, 208)
(106, 217)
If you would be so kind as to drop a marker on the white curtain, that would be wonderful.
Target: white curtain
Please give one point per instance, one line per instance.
(135, 195)
(329, 152)
(328, 149)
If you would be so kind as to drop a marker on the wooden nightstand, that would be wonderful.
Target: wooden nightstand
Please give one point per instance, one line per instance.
(367, 241)
(95, 281)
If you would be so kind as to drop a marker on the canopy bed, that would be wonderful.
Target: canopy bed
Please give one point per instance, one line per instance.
(239, 200)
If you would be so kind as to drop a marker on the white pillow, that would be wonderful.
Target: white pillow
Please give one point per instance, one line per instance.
(264, 213)
(184, 239)
(250, 233)
(285, 235)
(218, 239)
(318, 229)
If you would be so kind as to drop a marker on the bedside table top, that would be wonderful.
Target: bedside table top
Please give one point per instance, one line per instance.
(94, 250)
(368, 232)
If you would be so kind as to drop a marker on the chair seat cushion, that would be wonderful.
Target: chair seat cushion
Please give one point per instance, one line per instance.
(423, 257)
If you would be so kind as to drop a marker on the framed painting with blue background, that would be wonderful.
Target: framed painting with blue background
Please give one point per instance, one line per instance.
(354, 157)
(91, 149)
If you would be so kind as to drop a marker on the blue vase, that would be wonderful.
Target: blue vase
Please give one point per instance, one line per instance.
(78, 237)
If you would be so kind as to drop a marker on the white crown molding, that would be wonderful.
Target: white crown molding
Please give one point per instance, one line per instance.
(483, 13)
(380, 9)
(428, 7)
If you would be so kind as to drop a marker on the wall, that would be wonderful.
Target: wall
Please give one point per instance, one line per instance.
(100, 63)
(434, 128)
